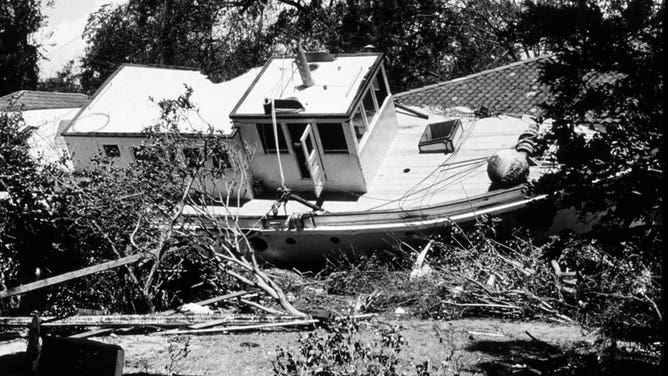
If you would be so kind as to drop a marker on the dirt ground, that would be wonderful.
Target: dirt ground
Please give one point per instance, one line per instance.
(464, 347)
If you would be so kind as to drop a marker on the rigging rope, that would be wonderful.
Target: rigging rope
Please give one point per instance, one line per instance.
(278, 153)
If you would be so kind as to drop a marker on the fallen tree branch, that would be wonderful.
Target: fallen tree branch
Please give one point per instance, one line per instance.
(70, 275)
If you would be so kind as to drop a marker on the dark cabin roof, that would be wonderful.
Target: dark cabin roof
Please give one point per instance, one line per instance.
(27, 100)
(511, 89)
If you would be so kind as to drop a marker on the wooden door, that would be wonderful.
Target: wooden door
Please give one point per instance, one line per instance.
(312, 154)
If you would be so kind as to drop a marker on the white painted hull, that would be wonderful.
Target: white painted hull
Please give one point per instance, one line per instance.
(318, 237)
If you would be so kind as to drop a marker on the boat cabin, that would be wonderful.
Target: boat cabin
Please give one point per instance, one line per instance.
(334, 122)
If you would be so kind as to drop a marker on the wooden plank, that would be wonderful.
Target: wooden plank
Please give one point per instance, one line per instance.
(158, 320)
(70, 276)
(238, 328)
(97, 332)
(92, 333)
(212, 300)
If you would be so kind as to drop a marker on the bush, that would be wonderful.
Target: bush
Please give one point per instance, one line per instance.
(341, 352)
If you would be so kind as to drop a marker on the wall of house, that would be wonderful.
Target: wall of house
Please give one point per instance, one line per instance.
(84, 148)
(343, 171)
(45, 141)
(376, 143)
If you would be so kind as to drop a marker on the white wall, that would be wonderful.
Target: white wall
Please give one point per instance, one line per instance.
(45, 143)
(84, 148)
(343, 171)
(377, 142)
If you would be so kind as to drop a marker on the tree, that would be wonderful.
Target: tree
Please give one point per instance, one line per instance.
(149, 32)
(66, 81)
(26, 198)
(18, 53)
(607, 73)
(423, 41)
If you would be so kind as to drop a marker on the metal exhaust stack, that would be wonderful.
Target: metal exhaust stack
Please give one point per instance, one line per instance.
(302, 64)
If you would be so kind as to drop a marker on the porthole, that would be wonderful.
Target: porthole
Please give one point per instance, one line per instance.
(291, 241)
(335, 240)
(258, 244)
(407, 170)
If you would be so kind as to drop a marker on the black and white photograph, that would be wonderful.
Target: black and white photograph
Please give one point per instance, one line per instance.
(331, 187)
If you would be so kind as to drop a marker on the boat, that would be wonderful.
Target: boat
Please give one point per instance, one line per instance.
(334, 161)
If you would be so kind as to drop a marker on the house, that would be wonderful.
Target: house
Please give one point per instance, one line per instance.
(514, 89)
(48, 114)
(114, 122)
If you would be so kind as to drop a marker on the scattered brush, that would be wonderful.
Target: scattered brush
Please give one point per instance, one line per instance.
(469, 274)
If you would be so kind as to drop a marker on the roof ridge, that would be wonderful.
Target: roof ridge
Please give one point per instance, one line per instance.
(14, 95)
(474, 75)
(49, 92)
(161, 66)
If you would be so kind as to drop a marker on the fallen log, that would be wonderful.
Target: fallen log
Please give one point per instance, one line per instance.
(102, 331)
(157, 320)
(70, 275)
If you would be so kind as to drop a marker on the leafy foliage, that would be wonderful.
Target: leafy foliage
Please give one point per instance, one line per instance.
(424, 41)
(607, 74)
(149, 32)
(54, 222)
(65, 81)
(342, 353)
(619, 283)
(18, 53)
(26, 206)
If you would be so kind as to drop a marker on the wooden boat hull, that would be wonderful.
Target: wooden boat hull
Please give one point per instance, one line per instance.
(311, 240)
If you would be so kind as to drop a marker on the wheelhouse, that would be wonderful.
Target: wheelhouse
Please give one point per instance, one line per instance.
(334, 120)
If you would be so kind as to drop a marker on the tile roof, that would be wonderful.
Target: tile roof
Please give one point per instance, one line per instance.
(41, 100)
(511, 89)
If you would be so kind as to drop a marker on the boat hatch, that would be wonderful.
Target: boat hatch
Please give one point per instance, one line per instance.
(440, 137)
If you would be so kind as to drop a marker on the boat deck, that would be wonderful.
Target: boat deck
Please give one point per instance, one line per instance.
(408, 180)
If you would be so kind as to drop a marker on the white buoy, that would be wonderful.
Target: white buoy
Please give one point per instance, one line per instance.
(507, 168)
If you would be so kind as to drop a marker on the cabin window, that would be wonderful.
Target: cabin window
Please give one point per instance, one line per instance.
(440, 137)
(193, 157)
(220, 159)
(111, 151)
(370, 107)
(332, 138)
(379, 88)
(359, 123)
(141, 153)
(266, 132)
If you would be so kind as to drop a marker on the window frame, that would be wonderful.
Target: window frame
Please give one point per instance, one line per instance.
(344, 140)
(188, 160)
(215, 159)
(370, 92)
(359, 108)
(106, 150)
(263, 141)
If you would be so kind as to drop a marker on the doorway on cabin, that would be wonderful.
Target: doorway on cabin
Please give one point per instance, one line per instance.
(314, 164)
(296, 130)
